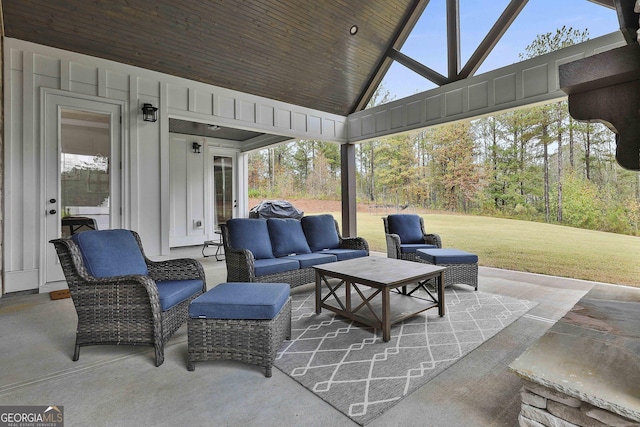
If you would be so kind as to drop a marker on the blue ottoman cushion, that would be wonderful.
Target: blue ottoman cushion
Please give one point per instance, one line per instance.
(241, 300)
(447, 256)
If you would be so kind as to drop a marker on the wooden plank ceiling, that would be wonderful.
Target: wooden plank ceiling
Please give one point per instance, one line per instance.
(296, 51)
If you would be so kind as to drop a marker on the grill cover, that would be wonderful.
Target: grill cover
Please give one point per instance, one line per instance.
(275, 209)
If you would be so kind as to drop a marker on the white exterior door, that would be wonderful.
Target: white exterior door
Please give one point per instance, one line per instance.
(202, 189)
(82, 172)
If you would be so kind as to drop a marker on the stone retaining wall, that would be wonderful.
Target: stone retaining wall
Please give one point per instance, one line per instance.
(542, 406)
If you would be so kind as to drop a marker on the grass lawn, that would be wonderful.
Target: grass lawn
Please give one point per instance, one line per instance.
(527, 246)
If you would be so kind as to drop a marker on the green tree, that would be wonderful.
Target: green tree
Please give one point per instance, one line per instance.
(583, 207)
(366, 150)
(545, 43)
(396, 168)
(455, 173)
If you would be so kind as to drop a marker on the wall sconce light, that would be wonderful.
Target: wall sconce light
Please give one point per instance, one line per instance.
(149, 113)
(196, 147)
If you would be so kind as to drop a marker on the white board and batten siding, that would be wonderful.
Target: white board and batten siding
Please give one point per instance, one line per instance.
(146, 152)
(525, 83)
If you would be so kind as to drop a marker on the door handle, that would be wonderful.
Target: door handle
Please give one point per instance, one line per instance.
(53, 211)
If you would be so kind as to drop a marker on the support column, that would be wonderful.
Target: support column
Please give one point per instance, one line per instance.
(348, 187)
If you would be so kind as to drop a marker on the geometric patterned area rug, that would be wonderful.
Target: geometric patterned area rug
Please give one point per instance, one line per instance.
(349, 366)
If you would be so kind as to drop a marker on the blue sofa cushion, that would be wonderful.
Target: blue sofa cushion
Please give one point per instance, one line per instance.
(407, 226)
(110, 253)
(241, 300)
(172, 292)
(320, 231)
(447, 256)
(275, 265)
(344, 254)
(308, 260)
(251, 234)
(287, 237)
(412, 248)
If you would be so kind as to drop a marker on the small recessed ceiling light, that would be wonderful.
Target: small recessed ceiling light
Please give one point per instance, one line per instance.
(213, 127)
(353, 30)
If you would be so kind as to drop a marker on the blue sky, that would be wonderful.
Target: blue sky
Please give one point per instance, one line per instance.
(427, 42)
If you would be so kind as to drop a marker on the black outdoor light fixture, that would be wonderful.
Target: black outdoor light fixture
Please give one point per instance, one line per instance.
(196, 147)
(149, 113)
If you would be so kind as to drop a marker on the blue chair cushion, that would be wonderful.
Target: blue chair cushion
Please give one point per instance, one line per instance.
(412, 248)
(110, 253)
(308, 260)
(447, 256)
(251, 234)
(274, 265)
(344, 254)
(287, 237)
(320, 231)
(241, 300)
(407, 227)
(172, 292)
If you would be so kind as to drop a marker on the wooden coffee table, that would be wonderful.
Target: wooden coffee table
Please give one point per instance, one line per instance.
(363, 291)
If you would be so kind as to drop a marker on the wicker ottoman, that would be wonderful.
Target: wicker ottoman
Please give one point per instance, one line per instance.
(462, 267)
(239, 321)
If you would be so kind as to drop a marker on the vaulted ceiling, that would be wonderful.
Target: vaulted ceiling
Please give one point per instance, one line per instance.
(328, 55)
(297, 51)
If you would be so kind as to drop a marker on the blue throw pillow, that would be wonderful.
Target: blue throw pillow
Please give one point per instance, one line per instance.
(252, 234)
(407, 227)
(110, 253)
(287, 237)
(321, 232)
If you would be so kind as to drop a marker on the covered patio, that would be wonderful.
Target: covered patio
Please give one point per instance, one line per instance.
(120, 385)
(227, 79)
(311, 78)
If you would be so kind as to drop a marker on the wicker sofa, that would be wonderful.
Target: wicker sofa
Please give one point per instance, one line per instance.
(278, 250)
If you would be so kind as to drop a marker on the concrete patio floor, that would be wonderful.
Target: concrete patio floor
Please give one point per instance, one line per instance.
(120, 385)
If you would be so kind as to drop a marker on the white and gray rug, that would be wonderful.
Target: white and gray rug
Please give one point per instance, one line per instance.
(350, 367)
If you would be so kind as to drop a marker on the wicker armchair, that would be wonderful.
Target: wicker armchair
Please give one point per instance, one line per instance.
(127, 308)
(405, 234)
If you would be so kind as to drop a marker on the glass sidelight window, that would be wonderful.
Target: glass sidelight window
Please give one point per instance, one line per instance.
(223, 187)
(85, 168)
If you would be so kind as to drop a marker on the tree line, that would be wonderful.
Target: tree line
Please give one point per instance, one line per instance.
(534, 163)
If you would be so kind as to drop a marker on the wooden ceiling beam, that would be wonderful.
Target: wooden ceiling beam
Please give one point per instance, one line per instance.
(401, 35)
(419, 68)
(494, 35)
(453, 38)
